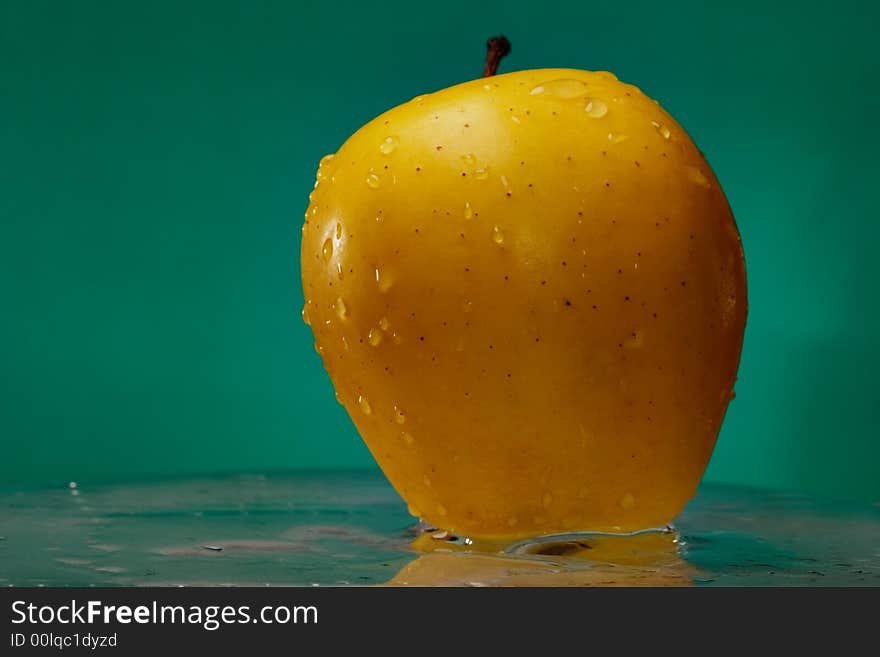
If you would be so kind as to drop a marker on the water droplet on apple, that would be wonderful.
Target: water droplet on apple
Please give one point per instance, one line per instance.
(399, 416)
(327, 249)
(389, 145)
(482, 173)
(617, 137)
(636, 340)
(596, 108)
(497, 235)
(468, 210)
(563, 88)
(364, 405)
(374, 337)
(341, 309)
(662, 129)
(373, 181)
(384, 280)
(698, 177)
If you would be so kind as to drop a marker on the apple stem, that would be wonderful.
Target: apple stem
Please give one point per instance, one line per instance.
(496, 49)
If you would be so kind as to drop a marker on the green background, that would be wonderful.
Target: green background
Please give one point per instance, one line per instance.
(155, 162)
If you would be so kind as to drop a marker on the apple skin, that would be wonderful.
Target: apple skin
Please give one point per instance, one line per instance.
(529, 292)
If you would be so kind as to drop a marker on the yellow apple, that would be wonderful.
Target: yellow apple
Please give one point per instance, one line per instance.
(529, 293)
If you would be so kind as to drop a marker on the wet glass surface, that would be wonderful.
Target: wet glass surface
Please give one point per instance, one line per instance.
(351, 529)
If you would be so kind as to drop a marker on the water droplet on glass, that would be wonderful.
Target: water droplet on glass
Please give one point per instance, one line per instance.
(373, 181)
(481, 173)
(468, 210)
(662, 129)
(388, 145)
(364, 405)
(596, 108)
(563, 88)
(374, 337)
(497, 235)
(327, 249)
(399, 417)
(341, 310)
